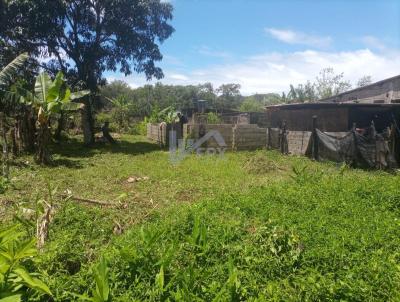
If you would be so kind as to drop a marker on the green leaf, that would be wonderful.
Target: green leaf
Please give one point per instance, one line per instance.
(13, 298)
(79, 94)
(43, 82)
(26, 249)
(100, 273)
(55, 87)
(71, 106)
(4, 267)
(160, 278)
(31, 282)
(9, 234)
(10, 70)
(54, 107)
(67, 96)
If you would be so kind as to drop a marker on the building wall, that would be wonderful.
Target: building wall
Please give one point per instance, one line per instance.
(328, 119)
(386, 91)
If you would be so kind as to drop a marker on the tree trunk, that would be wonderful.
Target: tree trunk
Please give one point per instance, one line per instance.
(60, 127)
(16, 148)
(87, 123)
(43, 139)
(27, 130)
(5, 165)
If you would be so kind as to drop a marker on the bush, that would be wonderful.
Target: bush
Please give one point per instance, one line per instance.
(141, 127)
(213, 118)
(16, 282)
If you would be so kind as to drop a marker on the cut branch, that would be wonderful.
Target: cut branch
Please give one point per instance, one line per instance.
(91, 201)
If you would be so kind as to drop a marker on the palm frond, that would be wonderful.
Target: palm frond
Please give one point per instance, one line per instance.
(10, 70)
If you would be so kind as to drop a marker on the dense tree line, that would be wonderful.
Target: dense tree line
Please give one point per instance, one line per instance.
(140, 102)
(143, 100)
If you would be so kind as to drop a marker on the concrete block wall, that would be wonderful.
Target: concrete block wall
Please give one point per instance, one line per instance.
(274, 138)
(249, 137)
(225, 130)
(298, 142)
(192, 131)
(157, 133)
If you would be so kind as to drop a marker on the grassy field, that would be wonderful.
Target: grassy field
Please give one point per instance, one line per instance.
(254, 226)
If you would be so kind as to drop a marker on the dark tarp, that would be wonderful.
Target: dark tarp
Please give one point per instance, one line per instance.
(367, 151)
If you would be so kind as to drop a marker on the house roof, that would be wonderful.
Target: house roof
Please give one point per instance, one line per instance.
(359, 88)
(322, 105)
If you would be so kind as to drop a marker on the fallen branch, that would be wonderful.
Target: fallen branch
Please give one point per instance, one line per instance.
(91, 201)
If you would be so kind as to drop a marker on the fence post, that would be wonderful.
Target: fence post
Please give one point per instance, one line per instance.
(282, 136)
(315, 138)
(353, 130)
(269, 138)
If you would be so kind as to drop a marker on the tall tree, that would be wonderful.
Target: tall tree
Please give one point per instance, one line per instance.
(302, 93)
(88, 37)
(228, 96)
(328, 83)
(364, 81)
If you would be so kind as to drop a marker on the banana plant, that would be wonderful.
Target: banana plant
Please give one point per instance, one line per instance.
(120, 110)
(6, 76)
(49, 99)
(15, 280)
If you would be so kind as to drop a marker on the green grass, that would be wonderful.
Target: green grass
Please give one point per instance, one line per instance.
(248, 227)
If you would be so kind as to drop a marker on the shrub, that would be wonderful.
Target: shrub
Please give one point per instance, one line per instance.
(15, 280)
(213, 118)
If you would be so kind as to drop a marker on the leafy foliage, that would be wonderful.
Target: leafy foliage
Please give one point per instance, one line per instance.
(213, 118)
(49, 99)
(326, 84)
(8, 98)
(364, 81)
(7, 73)
(167, 115)
(15, 281)
(251, 105)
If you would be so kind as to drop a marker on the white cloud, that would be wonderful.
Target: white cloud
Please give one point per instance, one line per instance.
(275, 71)
(178, 77)
(296, 37)
(207, 51)
(373, 42)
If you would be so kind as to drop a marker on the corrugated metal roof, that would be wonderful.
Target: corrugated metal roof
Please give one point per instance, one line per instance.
(359, 88)
(329, 105)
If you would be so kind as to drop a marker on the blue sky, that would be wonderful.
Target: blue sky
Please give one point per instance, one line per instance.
(267, 45)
